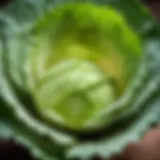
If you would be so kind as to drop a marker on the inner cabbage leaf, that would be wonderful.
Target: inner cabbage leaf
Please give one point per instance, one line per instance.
(83, 60)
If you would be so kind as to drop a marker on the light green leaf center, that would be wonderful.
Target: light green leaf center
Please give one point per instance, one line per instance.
(84, 58)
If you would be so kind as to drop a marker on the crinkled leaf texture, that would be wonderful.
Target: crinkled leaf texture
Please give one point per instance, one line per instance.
(16, 21)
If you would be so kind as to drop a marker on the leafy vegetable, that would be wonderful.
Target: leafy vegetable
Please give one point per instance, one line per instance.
(77, 77)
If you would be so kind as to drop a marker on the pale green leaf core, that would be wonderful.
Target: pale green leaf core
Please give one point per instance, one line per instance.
(84, 58)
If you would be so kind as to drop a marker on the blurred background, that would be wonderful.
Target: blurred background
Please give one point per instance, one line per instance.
(146, 149)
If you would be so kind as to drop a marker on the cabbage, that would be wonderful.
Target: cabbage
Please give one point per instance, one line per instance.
(77, 77)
